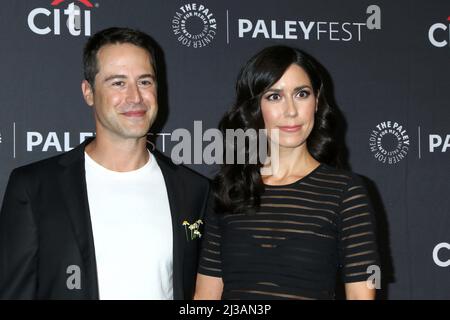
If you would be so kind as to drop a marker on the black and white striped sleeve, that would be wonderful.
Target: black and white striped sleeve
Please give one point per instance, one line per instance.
(357, 233)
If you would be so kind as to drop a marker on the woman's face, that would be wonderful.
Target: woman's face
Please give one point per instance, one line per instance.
(289, 106)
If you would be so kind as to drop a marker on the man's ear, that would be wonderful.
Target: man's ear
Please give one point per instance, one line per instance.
(88, 92)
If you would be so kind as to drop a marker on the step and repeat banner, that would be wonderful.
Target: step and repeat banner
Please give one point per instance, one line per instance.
(389, 63)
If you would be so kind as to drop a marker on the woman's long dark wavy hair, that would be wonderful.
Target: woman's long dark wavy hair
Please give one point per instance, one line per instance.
(237, 187)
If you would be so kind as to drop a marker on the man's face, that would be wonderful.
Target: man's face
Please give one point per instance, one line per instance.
(125, 94)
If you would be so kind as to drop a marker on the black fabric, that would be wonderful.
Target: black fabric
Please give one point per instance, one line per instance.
(296, 244)
(45, 227)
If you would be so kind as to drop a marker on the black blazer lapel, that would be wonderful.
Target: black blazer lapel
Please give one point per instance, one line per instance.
(73, 186)
(175, 195)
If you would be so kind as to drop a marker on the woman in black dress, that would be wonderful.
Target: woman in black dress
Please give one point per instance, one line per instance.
(290, 234)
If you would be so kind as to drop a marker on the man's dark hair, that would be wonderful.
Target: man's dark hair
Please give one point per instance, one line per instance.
(114, 36)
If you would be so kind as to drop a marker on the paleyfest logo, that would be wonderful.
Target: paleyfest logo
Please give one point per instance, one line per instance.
(194, 25)
(42, 21)
(209, 146)
(299, 29)
(389, 142)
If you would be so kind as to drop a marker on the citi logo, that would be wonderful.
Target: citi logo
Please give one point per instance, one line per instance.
(43, 21)
(438, 258)
(87, 3)
(439, 34)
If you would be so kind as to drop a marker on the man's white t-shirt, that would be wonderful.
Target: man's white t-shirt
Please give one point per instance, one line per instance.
(132, 229)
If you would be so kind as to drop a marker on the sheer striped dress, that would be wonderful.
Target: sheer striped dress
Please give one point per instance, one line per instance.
(304, 235)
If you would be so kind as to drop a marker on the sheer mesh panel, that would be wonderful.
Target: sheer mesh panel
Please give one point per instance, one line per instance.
(293, 247)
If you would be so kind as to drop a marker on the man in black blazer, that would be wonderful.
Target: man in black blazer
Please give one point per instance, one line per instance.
(53, 236)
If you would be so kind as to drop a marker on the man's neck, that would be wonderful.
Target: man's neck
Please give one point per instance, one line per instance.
(120, 156)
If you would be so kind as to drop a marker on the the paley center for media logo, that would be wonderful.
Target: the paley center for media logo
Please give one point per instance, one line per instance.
(389, 142)
(194, 25)
(62, 17)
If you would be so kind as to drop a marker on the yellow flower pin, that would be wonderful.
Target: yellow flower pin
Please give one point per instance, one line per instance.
(194, 232)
